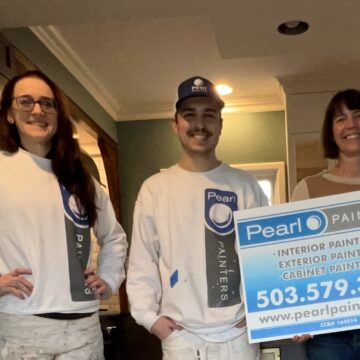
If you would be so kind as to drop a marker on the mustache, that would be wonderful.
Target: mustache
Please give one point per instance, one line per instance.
(197, 131)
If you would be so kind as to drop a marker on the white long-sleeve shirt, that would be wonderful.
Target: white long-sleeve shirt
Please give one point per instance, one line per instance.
(42, 229)
(183, 262)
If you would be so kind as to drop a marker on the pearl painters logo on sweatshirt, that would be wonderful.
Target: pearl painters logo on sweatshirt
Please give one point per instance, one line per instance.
(222, 264)
(78, 245)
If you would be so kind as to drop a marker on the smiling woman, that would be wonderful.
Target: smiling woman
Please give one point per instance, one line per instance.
(33, 111)
(341, 141)
(49, 292)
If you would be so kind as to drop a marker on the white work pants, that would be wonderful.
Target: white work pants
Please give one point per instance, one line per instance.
(183, 345)
(31, 337)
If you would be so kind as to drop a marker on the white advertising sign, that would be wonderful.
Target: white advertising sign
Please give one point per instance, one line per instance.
(300, 266)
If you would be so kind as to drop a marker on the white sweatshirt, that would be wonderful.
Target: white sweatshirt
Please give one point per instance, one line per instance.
(183, 262)
(42, 229)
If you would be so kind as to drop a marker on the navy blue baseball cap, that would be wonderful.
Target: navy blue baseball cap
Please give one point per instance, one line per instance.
(197, 86)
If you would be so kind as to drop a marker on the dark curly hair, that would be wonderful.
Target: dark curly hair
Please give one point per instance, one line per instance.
(65, 150)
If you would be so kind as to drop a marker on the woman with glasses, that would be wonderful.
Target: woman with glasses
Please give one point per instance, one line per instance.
(49, 293)
(341, 141)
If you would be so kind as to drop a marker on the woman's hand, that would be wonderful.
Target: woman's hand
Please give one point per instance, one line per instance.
(302, 338)
(99, 287)
(14, 283)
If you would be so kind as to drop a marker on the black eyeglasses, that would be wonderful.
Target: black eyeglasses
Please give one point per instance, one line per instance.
(27, 103)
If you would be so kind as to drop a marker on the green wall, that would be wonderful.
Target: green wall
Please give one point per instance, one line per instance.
(149, 145)
(253, 137)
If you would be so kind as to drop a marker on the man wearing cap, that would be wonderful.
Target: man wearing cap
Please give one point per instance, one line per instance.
(184, 278)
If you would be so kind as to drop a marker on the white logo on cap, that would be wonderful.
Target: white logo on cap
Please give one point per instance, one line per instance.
(198, 82)
(199, 86)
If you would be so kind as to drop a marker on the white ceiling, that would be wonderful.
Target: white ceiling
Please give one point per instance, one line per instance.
(131, 54)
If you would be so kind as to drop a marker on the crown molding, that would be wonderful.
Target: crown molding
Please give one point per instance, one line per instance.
(58, 46)
(320, 82)
(254, 104)
(237, 105)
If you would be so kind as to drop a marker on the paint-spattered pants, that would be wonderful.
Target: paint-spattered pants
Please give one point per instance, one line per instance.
(184, 345)
(31, 337)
